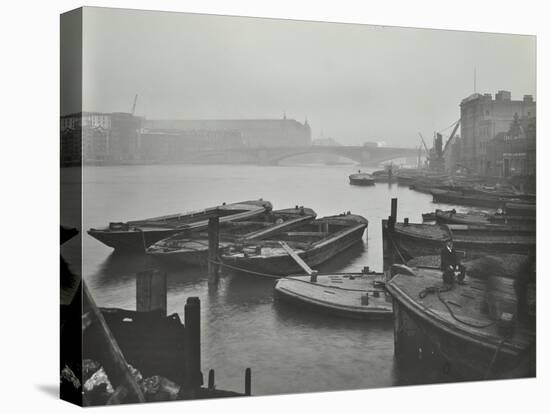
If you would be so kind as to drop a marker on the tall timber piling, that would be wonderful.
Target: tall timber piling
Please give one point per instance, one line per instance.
(213, 248)
(193, 341)
(151, 291)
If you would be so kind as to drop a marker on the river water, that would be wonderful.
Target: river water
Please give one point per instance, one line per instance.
(288, 349)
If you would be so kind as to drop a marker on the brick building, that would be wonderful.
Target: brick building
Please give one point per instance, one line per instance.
(481, 119)
(96, 137)
(99, 137)
(251, 132)
(513, 153)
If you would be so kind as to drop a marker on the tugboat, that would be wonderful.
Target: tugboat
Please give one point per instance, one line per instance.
(362, 179)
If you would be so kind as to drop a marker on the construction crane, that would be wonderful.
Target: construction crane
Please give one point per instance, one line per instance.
(134, 105)
(424, 143)
(457, 124)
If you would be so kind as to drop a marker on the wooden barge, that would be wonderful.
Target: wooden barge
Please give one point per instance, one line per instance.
(362, 179)
(349, 295)
(454, 217)
(412, 240)
(475, 329)
(137, 235)
(477, 200)
(314, 242)
(192, 249)
(521, 209)
(387, 175)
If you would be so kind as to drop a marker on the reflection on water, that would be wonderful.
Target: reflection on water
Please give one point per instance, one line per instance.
(289, 349)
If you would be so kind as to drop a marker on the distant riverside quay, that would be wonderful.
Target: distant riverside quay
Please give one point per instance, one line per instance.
(497, 138)
(123, 138)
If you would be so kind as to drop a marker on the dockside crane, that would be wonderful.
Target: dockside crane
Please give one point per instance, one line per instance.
(457, 124)
(134, 105)
(424, 143)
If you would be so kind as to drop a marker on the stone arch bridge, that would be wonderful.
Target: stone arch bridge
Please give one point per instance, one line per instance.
(274, 155)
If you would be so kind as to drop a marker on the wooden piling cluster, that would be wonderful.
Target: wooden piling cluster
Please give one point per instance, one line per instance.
(150, 341)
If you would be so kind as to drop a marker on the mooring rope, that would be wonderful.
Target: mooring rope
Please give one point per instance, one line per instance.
(437, 290)
(240, 269)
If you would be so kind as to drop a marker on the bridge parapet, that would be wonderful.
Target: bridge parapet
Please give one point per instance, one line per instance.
(274, 155)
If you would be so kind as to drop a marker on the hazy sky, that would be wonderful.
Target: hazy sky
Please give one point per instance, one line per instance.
(354, 83)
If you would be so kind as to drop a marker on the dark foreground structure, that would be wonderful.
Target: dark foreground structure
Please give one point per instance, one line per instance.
(484, 328)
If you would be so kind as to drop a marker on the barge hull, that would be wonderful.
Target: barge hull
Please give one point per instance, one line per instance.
(284, 264)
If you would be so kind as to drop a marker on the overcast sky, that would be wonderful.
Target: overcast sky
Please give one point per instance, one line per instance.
(354, 83)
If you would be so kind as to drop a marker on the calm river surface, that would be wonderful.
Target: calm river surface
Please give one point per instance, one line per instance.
(288, 349)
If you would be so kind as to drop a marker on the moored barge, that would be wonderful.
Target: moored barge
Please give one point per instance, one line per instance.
(454, 217)
(314, 242)
(362, 179)
(412, 240)
(477, 329)
(478, 200)
(192, 249)
(137, 235)
(349, 295)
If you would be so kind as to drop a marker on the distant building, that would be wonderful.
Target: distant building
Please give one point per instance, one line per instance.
(97, 137)
(513, 153)
(482, 118)
(325, 142)
(172, 145)
(252, 132)
(90, 137)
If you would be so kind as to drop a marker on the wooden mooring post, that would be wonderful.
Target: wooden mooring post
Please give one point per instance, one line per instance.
(213, 247)
(192, 344)
(393, 214)
(151, 291)
(248, 382)
(211, 380)
(388, 249)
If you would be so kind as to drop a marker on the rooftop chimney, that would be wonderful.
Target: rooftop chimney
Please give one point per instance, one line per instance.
(527, 98)
(503, 96)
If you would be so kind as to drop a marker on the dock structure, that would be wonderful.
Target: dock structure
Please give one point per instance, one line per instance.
(481, 330)
(147, 346)
(476, 331)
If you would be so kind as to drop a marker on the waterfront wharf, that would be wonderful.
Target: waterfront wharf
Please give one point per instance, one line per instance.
(480, 330)
(143, 355)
